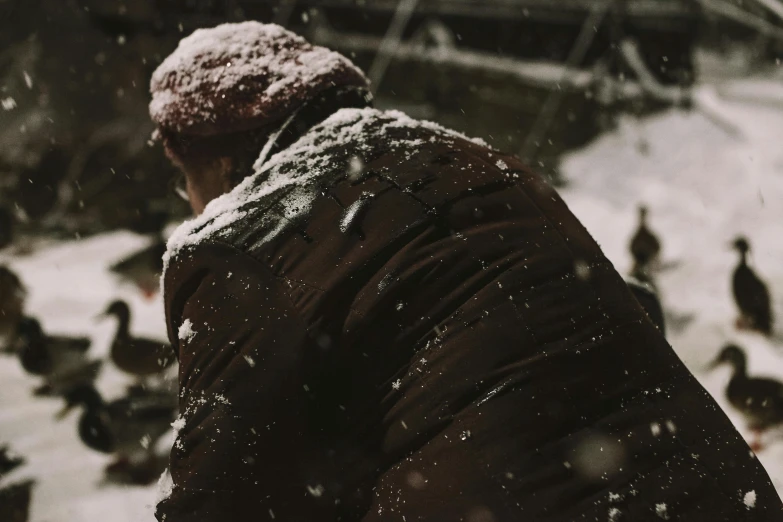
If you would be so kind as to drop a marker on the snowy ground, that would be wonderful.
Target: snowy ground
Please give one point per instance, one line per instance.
(703, 182)
(706, 178)
(68, 286)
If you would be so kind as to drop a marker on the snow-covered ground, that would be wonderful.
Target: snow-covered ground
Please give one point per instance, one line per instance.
(706, 177)
(69, 285)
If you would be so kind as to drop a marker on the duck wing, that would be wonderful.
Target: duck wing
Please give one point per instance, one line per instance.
(752, 297)
(141, 356)
(74, 377)
(139, 420)
(759, 399)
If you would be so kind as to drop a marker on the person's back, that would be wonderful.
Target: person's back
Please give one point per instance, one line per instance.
(388, 321)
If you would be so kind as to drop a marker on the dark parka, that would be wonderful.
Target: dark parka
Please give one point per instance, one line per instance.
(392, 322)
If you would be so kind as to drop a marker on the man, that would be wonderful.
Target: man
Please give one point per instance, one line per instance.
(380, 319)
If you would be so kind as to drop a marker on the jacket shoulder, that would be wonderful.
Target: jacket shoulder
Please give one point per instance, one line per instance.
(281, 191)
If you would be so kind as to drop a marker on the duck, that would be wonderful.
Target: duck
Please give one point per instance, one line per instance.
(15, 501)
(645, 247)
(12, 298)
(143, 268)
(750, 293)
(44, 355)
(62, 361)
(759, 400)
(127, 427)
(135, 355)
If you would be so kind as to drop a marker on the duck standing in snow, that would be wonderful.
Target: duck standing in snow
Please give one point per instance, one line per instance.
(645, 248)
(12, 296)
(61, 361)
(759, 400)
(750, 293)
(143, 268)
(135, 355)
(127, 427)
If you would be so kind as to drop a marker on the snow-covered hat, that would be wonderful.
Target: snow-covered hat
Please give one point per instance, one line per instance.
(236, 77)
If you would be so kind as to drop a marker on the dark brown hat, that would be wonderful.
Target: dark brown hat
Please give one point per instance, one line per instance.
(237, 77)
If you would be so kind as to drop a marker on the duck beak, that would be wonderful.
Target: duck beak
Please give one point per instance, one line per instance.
(63, 413)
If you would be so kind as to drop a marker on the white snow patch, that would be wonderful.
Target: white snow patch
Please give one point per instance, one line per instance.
(178, 424)
(165, 486)
(614, 514)
(502, 165)
(302, 170)
(8, 103)
(250, 360)
(662, 511)
(186, 332)
(750, 499)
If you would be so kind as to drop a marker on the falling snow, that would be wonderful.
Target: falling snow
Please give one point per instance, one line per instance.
(750, 499)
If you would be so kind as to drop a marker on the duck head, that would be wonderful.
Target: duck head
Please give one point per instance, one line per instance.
(734, 356)
(117, 308)
(121, 311)
(741, 245)
(31, 346)
(95, 431)
(29, 329)
(642, 213)
(85, 395)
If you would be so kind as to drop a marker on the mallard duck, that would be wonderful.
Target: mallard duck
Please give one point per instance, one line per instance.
(750, 293)
(12, 296)
(127, 427)
(46, 355)
(645, 246)
(143, 268)
(135, 355)
(759, 400)
(15, 501)
(61, 361)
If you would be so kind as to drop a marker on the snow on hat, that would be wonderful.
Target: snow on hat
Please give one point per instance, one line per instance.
(236, 77)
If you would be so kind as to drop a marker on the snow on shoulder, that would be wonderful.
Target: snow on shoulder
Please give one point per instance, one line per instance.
(186, 332)
(282, 189)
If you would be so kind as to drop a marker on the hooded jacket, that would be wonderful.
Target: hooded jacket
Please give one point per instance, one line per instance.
(389, 321)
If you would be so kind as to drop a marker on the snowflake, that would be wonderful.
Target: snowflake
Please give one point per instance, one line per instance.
(750, 499)
(396, 384)
(186, 332)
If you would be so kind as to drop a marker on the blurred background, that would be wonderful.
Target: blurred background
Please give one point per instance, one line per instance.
(676, 105)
